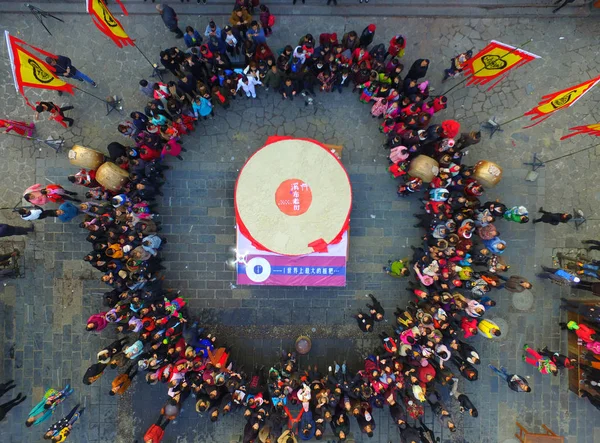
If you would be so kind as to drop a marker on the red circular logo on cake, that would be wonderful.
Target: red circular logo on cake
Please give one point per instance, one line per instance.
(293, 197)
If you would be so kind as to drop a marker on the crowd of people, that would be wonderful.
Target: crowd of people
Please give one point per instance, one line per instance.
(569, 273)
(456, 268)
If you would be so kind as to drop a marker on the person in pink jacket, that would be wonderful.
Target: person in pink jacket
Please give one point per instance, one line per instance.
(33, 195)
(97, 322)
(427, 280)
(593, 346)
(474, 308)
(22, 128)
(399, 154)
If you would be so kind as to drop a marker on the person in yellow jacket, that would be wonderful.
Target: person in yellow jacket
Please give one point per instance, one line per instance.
(489, 329)
(287, 437)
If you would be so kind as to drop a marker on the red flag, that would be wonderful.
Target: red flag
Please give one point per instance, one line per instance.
(493, 63)
(559, 100)
(122, 7)
(589, 129)
(30, 70)
(107, 23)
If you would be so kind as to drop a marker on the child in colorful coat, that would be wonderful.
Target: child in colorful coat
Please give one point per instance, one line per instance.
(543, 364)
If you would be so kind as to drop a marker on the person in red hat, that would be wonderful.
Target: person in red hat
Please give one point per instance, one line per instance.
(330, 39)
(366, 38)
(451, 128)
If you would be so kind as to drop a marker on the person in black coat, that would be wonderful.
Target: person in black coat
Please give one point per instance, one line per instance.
(288, 89)
(9, 230)
(139, 120)
(418, 69)
(116, 150)
(375, 309)
(195, 66)
(410, 435)
(366, 38)
(410, 86)
(188, 85)
(398, 414)
(64, 68)
(466, 405)
(308, 80)
(553, 218)
(146, 190)
(155, 108)
(342, 80)
(169, 17)
(169, 63)
(365, 322)
(93, 373)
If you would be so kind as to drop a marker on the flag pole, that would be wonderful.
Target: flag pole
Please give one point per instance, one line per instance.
(538, 163)
(54, 144)
(472, 75)
(89, 93)
(494, 126)
(112, 104)
(155, 70)
(572, 153)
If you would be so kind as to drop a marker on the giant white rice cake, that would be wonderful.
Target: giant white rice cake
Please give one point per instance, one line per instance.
(291, 193)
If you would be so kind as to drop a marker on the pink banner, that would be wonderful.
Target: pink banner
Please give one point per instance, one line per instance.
(257, 267)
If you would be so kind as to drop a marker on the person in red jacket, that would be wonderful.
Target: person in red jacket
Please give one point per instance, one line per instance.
(263, 52)
(397, 46)
(469, 326)
(426, 374)
(146, 154)
(58, 194)
(156, 432)
(361, 55)
(584, 332)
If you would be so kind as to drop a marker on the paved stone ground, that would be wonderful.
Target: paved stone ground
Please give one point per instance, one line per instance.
(42, 314)
(345, 8)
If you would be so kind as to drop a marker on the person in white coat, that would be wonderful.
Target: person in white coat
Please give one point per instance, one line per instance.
(247, 84)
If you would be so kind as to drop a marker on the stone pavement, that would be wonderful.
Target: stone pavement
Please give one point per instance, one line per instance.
(345, 8)
(42, 314)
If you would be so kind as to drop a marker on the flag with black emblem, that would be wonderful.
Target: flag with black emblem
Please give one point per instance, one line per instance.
(593, 129)
(494, 62)
(559, 100)
(30, 70)
(107, 23)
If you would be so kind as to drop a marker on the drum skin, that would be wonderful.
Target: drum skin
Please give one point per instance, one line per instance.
(111, 176)
(487, 173)
(86, 157)
(423, 167)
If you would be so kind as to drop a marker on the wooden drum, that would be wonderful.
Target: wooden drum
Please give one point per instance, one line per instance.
(85, 157)
(487, 173)
(111, 176)
(424, 167)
